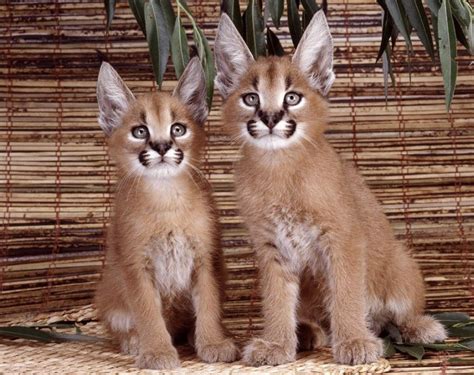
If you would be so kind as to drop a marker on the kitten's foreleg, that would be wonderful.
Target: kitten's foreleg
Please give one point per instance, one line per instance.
(280, 289)
(211, 343)
(156, 350)
(352, 341)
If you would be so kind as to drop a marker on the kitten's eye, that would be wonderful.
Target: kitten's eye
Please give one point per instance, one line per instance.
(292, 98)
(251, 100)
(178, 130)
(140, 132)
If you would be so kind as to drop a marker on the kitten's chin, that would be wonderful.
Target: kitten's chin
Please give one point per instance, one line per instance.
(271, 142)
(162, 170)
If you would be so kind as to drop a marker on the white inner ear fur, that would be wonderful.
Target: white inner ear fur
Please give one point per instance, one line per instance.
(314, 55)
(191, 90)
(232, 56)
(113, 97)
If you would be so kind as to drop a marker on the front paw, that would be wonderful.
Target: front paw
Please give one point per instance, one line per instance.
(260, 352)
(223, 351)
(159, 359)
(357, 351)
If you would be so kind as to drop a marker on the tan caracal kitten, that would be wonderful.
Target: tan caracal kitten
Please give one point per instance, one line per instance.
(164, 269)
(327, 256)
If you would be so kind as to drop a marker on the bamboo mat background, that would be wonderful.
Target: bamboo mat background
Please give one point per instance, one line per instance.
(56, 182)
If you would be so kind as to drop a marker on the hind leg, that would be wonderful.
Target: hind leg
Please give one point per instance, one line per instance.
(310, 336)
(311, 313)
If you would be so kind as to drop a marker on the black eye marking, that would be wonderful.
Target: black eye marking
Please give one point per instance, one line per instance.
(255, 83)
(288, 83)
(143, 117)
(144, 158)
(140, 132)
(173, 115)
(252, 128)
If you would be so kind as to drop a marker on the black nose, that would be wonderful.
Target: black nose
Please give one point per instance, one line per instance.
(161, 148)
(270, 119)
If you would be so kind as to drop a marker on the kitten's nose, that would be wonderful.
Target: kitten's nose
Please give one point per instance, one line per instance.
(270, 119)
(161, 148)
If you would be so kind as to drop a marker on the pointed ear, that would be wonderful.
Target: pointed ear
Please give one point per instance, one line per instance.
(114, 98)
(191, 90)
(314, 54)
(232, 56)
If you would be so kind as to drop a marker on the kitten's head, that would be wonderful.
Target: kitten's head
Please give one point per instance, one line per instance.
(158, 134)
(274, 102)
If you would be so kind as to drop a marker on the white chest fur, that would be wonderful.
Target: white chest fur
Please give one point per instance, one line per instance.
(297, 238)
(170, 260)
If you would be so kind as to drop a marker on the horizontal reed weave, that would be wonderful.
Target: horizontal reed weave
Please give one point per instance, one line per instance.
(56, 182)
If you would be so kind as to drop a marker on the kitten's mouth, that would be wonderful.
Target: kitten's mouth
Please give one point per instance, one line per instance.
(284, 132)
(148, 159)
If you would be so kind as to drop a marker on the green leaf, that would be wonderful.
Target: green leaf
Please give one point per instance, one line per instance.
(417, 16)
(466, 331)
(179, 48)
(254, 35)
(168, 14)
(110, 11)
(310, 7)
(447, 50)
(294, 23)
(388, 348)
(464, 15)
(467, 344)
(276, 11)
(461, 12)
(158, 38)
(207, 61)
(460, 34)
(399, 17)
(32, 333)
(444, 347)
(416, 351)
(232, 9)
(273, 44)
(138, 10)
(450, 318)
(28, 333)
(434, 6)
(305, 19)
(387, 32)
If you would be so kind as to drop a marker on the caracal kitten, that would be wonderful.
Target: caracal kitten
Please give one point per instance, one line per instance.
(163, 276)
(327, 256)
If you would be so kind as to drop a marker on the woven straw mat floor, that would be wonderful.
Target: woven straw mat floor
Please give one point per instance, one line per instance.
(21, 356)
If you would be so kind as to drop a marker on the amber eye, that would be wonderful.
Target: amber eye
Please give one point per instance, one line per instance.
(140, 132)
(251, 99)
(292, 98)
(178, 130)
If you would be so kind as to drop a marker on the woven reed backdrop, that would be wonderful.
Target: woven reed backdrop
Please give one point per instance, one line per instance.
(56, 182)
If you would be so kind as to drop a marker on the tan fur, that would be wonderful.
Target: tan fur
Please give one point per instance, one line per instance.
(164, 270)
(326, 252)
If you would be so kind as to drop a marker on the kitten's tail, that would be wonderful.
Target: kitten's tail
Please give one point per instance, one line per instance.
(422, 329)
